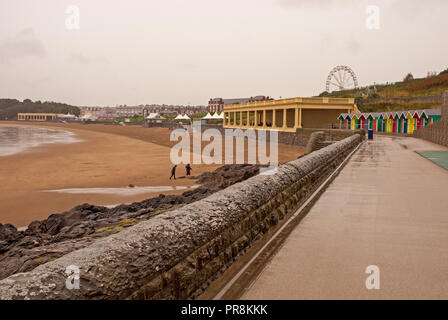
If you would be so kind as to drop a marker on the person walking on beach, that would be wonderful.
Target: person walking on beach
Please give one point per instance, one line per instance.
(173, 172)
(188, 169)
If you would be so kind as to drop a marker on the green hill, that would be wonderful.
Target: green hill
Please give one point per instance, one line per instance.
(424, 93)
(9, 108)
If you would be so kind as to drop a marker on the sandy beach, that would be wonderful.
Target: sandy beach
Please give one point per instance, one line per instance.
(109, 156)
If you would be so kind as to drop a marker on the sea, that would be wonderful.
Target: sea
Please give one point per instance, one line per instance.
(18, 139)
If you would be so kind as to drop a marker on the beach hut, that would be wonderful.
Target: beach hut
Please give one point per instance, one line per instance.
(433, 115)
(392, 122)
(384, 122)
(418, 121)
(369, 121)
(348, 121)
(341, 118)
(395, 120)
(409, 122)
(402, 122)
(375, 118)
(362, 121)
(354, 121)
(387, 122)
(424, 118)
(379, 122)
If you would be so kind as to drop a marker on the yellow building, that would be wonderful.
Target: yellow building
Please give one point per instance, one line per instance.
(38, 116)
(288, 114)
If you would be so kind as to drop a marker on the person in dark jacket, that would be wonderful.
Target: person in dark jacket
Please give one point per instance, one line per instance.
(173, 172)
(188, 169)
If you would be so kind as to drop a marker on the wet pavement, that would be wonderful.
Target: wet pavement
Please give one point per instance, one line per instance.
(388, 208)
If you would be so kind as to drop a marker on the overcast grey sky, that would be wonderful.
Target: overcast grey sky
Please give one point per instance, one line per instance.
(187, 51)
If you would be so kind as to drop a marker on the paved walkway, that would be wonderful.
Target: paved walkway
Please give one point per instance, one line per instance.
(389, 208)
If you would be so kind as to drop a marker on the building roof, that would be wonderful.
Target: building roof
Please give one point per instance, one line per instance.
(428, 112)
(235, 101)
(239, 100)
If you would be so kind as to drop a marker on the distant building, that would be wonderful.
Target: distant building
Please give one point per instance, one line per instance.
(124, 111)
(100, 113)
(39, 116)
(97, 112)
(217, 104)
(168, 112)
(287, 115)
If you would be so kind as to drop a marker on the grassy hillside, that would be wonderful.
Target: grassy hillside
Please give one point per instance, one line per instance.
(9, 108)
(404, 95)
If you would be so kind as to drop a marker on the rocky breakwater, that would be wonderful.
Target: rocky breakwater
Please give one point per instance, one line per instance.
(176, 254)
(59, 234)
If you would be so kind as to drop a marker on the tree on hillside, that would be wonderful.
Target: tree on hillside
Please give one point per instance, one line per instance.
(443, 72)
(408, 77)
(9, 108)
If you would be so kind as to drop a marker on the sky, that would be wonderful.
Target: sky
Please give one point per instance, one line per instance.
(188, 51)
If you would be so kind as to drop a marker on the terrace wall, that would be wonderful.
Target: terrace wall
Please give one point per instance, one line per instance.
(437, 132)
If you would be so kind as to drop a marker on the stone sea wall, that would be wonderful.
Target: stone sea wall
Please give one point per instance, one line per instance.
(176, 254)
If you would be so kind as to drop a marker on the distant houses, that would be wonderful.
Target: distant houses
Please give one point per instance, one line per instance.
(392, 122)
(217, 104)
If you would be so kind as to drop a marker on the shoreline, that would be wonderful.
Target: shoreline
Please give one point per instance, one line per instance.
(26, 147)
(109, 156)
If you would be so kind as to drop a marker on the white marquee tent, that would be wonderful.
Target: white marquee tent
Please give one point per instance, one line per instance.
(208, 117)
(88, 117)
(155, 117)
(217, 116)
(69, 116)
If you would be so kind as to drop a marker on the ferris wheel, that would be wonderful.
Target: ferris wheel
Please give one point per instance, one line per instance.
(341, 78)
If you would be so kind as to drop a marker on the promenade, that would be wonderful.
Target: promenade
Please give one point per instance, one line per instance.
(388, 207)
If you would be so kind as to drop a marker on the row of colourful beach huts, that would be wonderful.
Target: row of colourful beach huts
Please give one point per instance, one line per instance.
(394, 122)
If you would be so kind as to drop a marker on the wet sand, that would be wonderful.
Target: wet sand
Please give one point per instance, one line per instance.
(109, 156)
